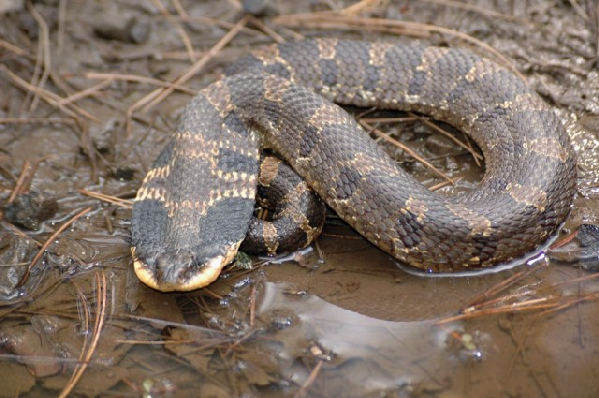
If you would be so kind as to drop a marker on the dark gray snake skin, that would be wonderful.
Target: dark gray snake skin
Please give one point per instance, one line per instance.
(195, 205)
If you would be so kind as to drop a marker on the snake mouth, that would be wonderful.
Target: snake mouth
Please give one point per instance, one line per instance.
(205, 275)
(179, 272)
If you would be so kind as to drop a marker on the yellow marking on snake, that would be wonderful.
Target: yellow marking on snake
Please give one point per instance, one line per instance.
(481, 68)
(529, 195)
(327, 48)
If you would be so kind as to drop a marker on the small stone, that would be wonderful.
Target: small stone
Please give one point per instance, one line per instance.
(258, 7)
(30, 210)
(124, 173)
(15, 253)
(131, 31)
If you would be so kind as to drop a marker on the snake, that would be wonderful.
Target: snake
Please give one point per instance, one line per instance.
(195, 205)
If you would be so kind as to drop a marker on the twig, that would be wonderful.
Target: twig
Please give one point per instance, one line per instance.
(85, 314)
(262, 26)
(62, 17)
(384, 120)
(182, 34)
(85, 93)
(101, 299)
(23, 176)
(13, 48)
(360, 6)
(218, 22)
(20, 233)
(45, 46)
(159, 94)
(139, 79)
(310, 380)
(477, 157)
(496, 289)
(180, 10)
(579, 10)
(442, 184)
(529, 305)
(48, 96)
(196, 67)
(107, 198)
(478, 10)
(252, 306)
(37, 120)
(585, 278)
(237, 342)
(520, 345)
(564, 241)
(410, 152)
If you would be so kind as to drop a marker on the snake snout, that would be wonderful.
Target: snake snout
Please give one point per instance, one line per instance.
(178, 271)
(175, 267)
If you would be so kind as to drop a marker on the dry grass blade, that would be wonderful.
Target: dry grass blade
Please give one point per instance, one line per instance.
(238, 342)
(252, 306)
(23, 183)
(477, 157)
(442, 184)
(14, 49)
(498, 288)
(184, 37)
(85, 93)
(310, 380)
(139, 79)
(270, 32)
(585, 278)
(101, 298)
(159, 94)
(23, 177)
(20, 233)
(180, 10)
(579, 9)
(49, 241)
(127, 204)
(37, 120)
(521, 343)
(361, 6)
(45, 50)
(219, 23)
(62, 17)
(197, 66)
(84, 317)
(48, 96)
(564, 241)
(528, 305)
(410, 152)
(383, 120)
(484, 305)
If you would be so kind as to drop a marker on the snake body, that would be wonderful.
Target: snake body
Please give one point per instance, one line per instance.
(196, 202)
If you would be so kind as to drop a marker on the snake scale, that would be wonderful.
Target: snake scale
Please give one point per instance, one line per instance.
(193, 209)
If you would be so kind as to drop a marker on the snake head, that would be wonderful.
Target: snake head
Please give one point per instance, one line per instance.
(181, 270)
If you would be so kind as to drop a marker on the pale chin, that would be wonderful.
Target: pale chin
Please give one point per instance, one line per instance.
(210, 272)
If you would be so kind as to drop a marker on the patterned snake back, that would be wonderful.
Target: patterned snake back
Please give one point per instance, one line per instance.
(194, 206)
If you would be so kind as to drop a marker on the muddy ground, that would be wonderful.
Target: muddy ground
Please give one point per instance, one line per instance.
(87, 102)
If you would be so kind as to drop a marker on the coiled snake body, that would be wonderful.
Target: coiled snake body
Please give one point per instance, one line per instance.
(195, 204)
